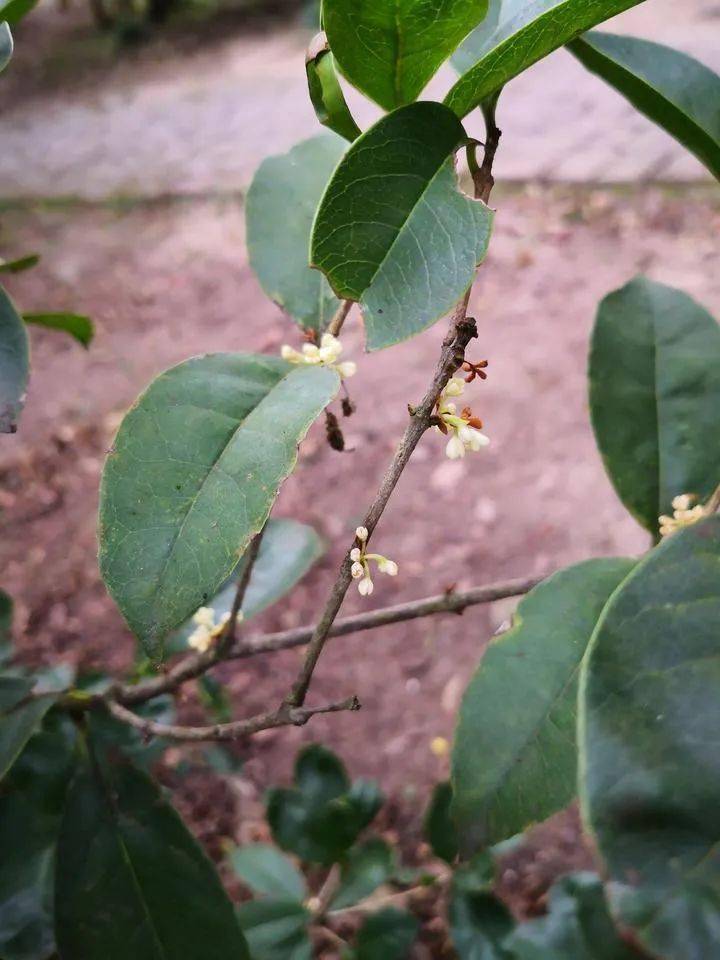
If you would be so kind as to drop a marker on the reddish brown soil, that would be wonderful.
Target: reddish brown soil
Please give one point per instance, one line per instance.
(166, 281)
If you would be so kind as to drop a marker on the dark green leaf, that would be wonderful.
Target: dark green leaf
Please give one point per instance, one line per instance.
(322, 816)
(31, 805)
(6, 45)
(194, 471)
(111, 734)
(14, 355)
(479, 922)
(517, 719)
(21, 714)
(22, 263)
(280, 207)
(386, 935)
(390, 49)
(326, 93)
(656, 353)
(276, 929)
(675, 91)
(650, 763)
(79, 327)
(6, 622)
(440, 830)
(268, 872)
(15, 10)
(524, 32)
(577, 927)
(365, 868)
(130, 880)
(215, 698)
(288, 550)
(393, 230)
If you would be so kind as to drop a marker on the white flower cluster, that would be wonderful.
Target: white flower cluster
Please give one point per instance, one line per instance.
(361, 567)
(465, 430)
(684, 514)
(326, 355)
(207, 630)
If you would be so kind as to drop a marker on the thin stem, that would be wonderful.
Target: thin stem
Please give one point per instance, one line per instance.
(251, 555)
(336, 324)
(284, 716)
(713, 504)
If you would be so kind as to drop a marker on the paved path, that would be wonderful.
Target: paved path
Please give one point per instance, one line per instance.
(203, 123)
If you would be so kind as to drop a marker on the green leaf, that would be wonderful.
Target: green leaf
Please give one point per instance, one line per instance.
(517, 719)
(479, 922)
(78, 326)
(386, 935)
(393, 230)
(390, 49)
(113, 735)
(280, 208)
(6, 623)
(288, 550)
(365, 868)
(648, 732)
(20, 264)
(195, 468)
(20, 716)
(675, 91)
(577, 927)
(6, 45)
(130, 879)
(268, 872)
(15, 10)
(527, 31)
(656, 353)
(276, 929)
(31, 806)
(439, 828)
(325, 91)
(14, 355)
(322, 816)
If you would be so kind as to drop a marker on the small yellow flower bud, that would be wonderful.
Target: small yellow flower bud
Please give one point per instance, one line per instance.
(439, 746)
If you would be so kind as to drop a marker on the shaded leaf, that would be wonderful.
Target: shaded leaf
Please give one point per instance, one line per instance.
(525, 32)
(517, 719)
(276, 929)
(14, 355)
(280, 208)
(365, 868)
(268, 872)
(656, 352)
(78, 326)
(675, 91)
(288, 550)
(479, 922)
(195, 468)
(6, 623)
(393, 230)
(326, 93)
(439, 828)
(322, 816)
(20, 264)
(130, 879)
(650, 744)
(386, 935)
(578, 926)
(111, 734)
(6, 45)
(31, 805)
(21, 714)
(390, 49)
(14, 10)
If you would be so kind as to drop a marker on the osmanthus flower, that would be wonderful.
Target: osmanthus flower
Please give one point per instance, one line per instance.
(361, 564)
(326, 355)
(684, 514)
(207, 630)
(465, 430)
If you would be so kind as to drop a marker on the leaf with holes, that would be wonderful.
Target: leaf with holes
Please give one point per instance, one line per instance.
(655, 396)
(524, 32)
(517, 719)
(390, 49)
(394, 232)
(675, 91)
(193, 473)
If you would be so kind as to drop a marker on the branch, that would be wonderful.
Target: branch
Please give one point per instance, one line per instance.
(284, 716)
(336, 324)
